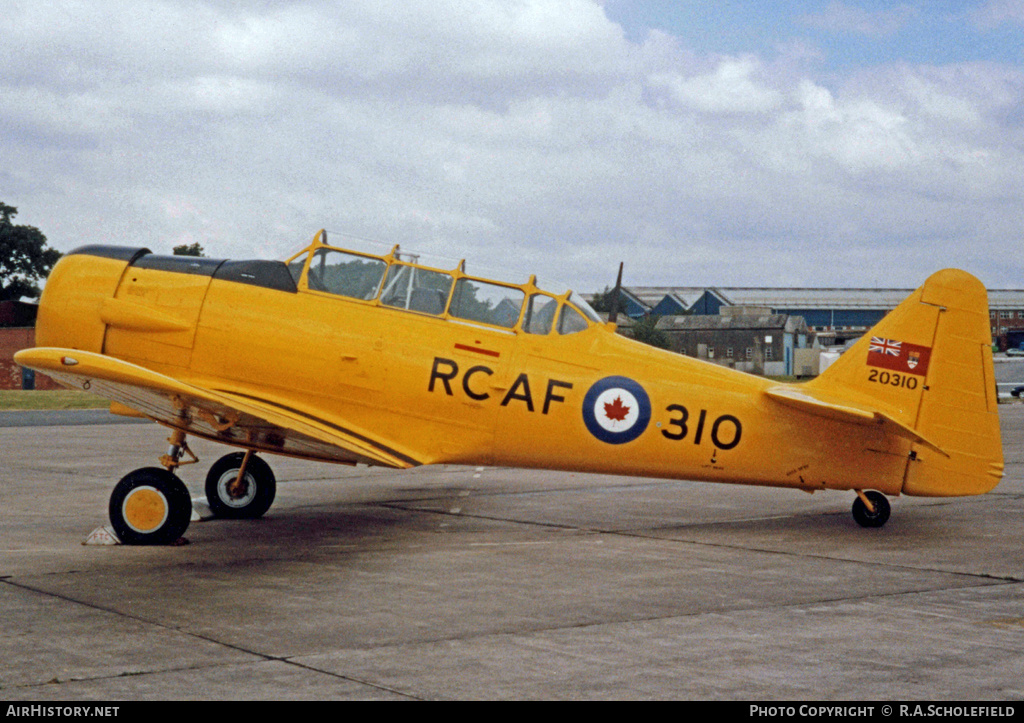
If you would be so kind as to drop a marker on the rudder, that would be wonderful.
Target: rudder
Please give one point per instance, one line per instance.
(959, 410)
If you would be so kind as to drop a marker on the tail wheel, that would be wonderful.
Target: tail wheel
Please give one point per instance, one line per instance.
(867, 518)
(246, 498)
(150, 506)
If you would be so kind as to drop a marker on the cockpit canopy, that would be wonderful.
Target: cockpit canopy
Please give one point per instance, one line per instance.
(397, 281)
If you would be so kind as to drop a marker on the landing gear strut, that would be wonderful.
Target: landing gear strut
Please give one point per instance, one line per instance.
(871, 509)
(152, 506)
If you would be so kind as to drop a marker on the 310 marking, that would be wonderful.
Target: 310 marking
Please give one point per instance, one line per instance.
(682, 429)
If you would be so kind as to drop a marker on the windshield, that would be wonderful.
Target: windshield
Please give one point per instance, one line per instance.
(345, 274)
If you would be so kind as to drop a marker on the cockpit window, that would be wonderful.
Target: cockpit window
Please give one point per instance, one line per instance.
(416, 289)
(296, 266)
(488, 303)
(571, 321)
(540, 314)
(345, 274)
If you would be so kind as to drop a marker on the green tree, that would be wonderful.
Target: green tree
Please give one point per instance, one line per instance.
(189, 250)
(603, 301)
(646, 330)
(24, 257)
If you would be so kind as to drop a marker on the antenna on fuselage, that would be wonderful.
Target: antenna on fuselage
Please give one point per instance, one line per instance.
(614, 313)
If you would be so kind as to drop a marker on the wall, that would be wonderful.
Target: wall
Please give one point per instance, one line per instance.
(12, 340)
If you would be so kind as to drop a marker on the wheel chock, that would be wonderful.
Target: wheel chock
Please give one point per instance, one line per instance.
(102, 536)
(201, 510)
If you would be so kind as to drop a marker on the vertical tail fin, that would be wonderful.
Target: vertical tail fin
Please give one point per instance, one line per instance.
(928, 365)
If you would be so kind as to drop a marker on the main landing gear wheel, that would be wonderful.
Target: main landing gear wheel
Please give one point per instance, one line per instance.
(246, 498)
(150, 506)
(868, 518)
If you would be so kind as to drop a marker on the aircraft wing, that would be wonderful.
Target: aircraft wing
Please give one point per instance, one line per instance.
(814, 402)
(222, 416)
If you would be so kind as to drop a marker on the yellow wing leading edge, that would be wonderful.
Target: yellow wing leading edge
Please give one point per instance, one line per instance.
(219, 416)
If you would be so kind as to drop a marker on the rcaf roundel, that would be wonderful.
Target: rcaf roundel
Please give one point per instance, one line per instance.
(616, 410)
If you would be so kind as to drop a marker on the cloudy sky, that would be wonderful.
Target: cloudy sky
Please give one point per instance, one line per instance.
(724, 142)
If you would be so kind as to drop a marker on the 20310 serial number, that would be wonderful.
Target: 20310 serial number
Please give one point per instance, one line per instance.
(893, 379)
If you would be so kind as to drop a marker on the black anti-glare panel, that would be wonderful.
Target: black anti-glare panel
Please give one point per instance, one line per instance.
(181, 264)
(124, 253)
(269, 274)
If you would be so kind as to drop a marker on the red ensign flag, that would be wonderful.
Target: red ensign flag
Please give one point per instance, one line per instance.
(898, 356)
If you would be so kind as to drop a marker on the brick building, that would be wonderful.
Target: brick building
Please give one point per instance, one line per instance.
(17, 332)
(744, 338)
(1007, 325)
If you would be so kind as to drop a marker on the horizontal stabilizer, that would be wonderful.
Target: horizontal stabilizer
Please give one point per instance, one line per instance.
(844, 411)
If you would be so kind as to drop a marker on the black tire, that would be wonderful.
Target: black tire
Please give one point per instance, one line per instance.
(150, 506)
(877, 518)
(260, 487)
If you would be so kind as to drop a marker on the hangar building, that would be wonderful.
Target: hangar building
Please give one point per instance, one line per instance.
(834, 315)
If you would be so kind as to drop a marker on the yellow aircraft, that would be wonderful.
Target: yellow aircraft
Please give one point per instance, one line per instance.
(350, 357)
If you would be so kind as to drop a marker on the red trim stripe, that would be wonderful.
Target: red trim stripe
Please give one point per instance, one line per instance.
(478, 350)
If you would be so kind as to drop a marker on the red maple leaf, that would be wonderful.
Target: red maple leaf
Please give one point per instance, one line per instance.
(616, 411)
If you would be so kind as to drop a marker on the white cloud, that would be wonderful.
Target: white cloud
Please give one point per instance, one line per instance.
(734, 87)
(523, 134)
(858, 134)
